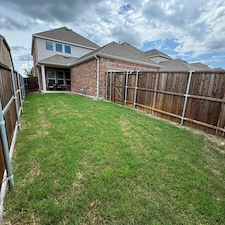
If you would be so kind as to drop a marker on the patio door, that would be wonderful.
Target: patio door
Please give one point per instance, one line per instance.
(60, 77)
(51, 77)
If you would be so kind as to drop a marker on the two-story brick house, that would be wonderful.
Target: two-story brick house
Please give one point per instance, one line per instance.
(53, 54)
(64, 60)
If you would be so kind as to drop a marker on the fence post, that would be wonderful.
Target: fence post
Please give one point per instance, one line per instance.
(5, 148)
(110, 86)
(23, 87)
(126, 87)
(135, 89)
(106, 85)
(15, 99)
(155, 93)
(186, 96)
(20, 90)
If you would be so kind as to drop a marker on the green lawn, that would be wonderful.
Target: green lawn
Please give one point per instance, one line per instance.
(80, 161)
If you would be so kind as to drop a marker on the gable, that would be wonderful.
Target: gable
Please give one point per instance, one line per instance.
(64, 34)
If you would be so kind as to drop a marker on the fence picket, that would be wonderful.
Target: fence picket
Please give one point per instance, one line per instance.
(12, 94)
(194, 99)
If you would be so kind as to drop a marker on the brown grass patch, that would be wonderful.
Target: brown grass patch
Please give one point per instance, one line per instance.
(94, 214)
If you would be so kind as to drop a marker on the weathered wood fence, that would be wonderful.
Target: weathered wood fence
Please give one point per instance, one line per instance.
(194, 99)
(12, 94)
(31, 84)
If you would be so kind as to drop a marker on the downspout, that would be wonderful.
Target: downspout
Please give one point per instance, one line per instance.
(97, 76)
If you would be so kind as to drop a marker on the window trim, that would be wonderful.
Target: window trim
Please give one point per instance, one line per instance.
(51, 78)
(62, 78)
(47, 45)
(56, 78)
(58, 45)
(65, 46)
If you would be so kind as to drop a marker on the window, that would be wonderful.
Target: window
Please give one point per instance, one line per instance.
(51, 77)
(60, 77)
(68, 78)
(49, 45)
(67, 49)
(58, 47)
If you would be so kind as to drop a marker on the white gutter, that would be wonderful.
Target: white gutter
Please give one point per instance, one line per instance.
(116, 58)
(130, 60)
(97, 76)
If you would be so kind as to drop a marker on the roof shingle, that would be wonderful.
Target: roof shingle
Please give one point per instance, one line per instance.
(122, 51)
(59, 60)
(182, 66)
(154, 53)
(67, 35)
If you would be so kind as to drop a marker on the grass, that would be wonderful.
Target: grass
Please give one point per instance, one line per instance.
(79, 161)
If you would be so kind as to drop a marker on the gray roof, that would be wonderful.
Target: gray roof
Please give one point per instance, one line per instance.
(59, 60)
(182, 66)
(154, 53)
(67, 35)
(176, 65)
(123, 52)
(200, 66)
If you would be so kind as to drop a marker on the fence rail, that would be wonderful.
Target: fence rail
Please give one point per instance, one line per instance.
(194, 99)
(12, 94)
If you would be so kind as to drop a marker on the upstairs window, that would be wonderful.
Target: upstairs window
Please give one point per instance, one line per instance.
(67, 49)
(49, 45)
(58, 47)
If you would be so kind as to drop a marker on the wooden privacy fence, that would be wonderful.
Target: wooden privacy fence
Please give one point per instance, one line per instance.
(31, 84)
(194, 99)
(12, 94)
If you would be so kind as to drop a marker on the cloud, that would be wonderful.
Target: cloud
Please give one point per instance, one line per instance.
(24, 57)
(197, 27)
(18, 48)
(51, 10)
(127, 33)
(7, 22)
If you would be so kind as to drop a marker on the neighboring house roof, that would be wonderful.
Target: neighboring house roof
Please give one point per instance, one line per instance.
(67, 35)
(154, 53)
(59, 60)
(201, 66)
(4, 42)
(182, 66)
(123, 52)
(176, 65)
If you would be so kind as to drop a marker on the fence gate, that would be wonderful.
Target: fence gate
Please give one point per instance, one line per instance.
(115, 86)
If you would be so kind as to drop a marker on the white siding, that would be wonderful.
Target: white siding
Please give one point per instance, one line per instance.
(42, 53)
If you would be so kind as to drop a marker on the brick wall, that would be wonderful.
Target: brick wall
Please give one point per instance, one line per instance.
(84, 74)
(112, 64)
(37, 69)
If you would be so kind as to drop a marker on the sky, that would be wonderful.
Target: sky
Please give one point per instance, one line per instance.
(192, 30)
